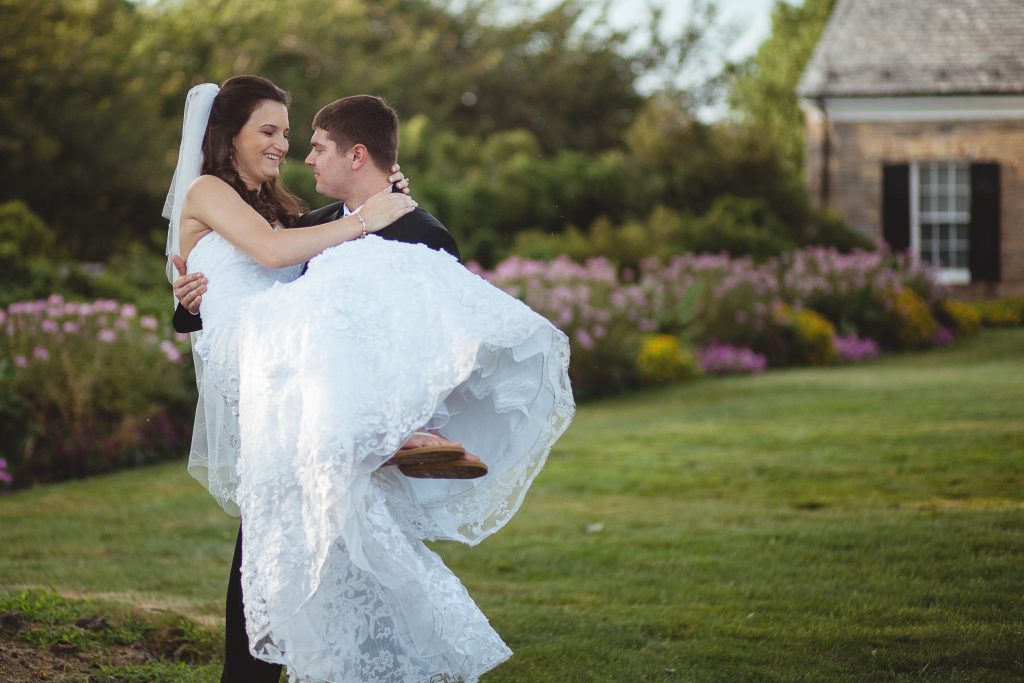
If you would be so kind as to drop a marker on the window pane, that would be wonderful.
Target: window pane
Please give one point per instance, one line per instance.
(962, 175)
(963, 204)
(942, 174)
(925, 179)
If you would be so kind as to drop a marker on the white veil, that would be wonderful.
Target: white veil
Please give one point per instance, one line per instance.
(198, 103)
(215, 433)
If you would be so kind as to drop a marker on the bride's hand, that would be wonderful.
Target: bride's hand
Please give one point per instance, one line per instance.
(384, 208)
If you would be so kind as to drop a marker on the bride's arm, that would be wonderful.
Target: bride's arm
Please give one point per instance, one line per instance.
(215, 204)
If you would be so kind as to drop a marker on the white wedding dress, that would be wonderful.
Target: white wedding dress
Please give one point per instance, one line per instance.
(329, 375)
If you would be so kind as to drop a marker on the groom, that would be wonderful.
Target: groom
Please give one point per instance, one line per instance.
(355, 143)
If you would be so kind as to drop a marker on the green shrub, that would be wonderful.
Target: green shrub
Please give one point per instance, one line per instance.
(29, 258)
(739, 226)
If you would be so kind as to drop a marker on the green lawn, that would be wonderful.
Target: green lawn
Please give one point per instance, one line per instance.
(862, 523)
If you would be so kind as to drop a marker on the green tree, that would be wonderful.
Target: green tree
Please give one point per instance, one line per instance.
(764, 88)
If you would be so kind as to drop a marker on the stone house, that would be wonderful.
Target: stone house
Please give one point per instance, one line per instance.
(915, 132)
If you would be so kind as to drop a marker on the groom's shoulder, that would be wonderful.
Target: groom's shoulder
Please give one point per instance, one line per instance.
(317, 216)
(420, 227)
(421, 218)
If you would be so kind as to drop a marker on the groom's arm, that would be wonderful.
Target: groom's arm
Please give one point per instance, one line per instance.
(183, 321)
(188, 290)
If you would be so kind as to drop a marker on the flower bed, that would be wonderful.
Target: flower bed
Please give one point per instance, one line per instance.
(88, 387)
(812, 306)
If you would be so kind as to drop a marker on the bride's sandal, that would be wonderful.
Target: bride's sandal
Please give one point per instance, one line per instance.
(427, 455)
(462, 468)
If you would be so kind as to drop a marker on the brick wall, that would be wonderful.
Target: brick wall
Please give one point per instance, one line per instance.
(858, 151)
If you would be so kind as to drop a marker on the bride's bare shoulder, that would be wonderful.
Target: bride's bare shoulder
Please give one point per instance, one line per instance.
(208, 186)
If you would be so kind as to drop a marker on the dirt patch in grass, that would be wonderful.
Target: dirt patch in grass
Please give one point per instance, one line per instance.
(21, 663)
(88, 647)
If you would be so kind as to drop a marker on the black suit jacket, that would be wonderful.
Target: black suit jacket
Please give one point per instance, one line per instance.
(417, 227)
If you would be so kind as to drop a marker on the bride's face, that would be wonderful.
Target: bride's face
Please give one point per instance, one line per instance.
(260, 147)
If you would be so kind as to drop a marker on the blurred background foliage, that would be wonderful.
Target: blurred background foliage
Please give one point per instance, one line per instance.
(535, 136)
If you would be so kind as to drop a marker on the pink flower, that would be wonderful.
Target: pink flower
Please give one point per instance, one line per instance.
(148, 322)
(584, 339)
(171, 351)
(129, 311)
(70, 327)
(40, 353)
(107, 336)
(50, 326)
(181, 336)
(20, 361)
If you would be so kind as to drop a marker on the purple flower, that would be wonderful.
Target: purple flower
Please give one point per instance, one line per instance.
(129, 311)
(148, 322)
(40, 353)
(50, 326)
(852, 348)
(720, 359)
(943, 337)
(107, 336)
(584, 339)
(20, 361)
(70, 327)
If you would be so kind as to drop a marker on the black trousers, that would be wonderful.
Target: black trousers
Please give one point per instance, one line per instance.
(239, 665)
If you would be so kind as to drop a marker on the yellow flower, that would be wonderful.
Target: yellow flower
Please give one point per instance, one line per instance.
(662, 359)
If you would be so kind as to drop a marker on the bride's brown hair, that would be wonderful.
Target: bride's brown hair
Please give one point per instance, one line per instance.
(238, 98)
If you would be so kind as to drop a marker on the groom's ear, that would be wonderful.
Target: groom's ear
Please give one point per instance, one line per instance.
(358, 156)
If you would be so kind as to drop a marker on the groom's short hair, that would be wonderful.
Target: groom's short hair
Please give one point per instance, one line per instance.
(362, 119)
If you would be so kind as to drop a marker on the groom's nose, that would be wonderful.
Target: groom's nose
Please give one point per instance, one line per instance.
(309, 158)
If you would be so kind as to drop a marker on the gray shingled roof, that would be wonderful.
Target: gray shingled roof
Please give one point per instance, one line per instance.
(919, 47)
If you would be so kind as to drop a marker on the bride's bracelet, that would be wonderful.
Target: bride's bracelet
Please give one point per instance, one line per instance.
(362, 223)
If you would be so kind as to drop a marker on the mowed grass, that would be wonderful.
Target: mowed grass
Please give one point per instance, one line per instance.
(861, 523)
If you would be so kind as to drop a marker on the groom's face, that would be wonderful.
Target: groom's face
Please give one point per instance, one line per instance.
(331, 168)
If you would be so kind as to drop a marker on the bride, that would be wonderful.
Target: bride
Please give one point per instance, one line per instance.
(308, 385)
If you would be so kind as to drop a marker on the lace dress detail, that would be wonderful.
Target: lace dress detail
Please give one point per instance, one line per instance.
(337, 369)
(215, 440)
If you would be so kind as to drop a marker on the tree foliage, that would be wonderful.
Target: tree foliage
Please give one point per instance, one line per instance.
(535, 125)
(764, 88)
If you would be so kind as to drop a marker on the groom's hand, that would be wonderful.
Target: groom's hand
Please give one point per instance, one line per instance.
(399, 183)
(189, 287)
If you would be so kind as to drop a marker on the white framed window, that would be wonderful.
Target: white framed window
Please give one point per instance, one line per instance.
(940, 217)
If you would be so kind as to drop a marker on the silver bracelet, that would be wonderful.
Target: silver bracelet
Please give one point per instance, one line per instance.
(362, 222)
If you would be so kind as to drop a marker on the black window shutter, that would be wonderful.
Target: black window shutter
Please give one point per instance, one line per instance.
(896, 206)
(984, 232)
